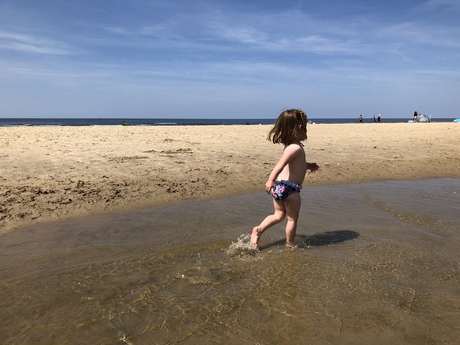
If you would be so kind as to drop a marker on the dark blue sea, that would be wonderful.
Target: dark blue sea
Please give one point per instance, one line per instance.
(4, 122)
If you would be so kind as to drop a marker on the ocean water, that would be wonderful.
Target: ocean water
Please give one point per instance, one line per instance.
(376, 263)
(6, 122)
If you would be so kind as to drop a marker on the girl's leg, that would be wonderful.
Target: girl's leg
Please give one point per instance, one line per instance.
(277, 216)
(292, 204)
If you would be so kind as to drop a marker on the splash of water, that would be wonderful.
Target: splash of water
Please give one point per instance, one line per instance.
(242, 246)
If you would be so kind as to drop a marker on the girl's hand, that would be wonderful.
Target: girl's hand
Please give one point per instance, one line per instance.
(269, 186)
(313, 167)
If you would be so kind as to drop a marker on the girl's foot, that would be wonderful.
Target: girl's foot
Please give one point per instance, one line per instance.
(290, 245)
(255, 238)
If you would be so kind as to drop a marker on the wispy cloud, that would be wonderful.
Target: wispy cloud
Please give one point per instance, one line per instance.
(161, 31)
(252, 37)
(33, 44)
(243, 34)
(31, 71)
(417, 33)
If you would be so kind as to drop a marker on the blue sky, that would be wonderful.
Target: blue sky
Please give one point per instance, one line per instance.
(229, 59)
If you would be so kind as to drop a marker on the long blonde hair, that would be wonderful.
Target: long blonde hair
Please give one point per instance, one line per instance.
(287, 127)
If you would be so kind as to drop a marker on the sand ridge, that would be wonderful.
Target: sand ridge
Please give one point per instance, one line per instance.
(56, 172)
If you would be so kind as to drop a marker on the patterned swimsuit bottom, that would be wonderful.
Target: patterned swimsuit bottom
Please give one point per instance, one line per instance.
(284, 188)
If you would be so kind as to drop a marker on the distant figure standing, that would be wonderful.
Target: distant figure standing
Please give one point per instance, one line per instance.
(360, 119)
(379, 119)
(373, 119)
(415, 115)
(124, 123)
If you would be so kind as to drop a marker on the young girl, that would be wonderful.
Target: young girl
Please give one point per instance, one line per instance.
(286, 178)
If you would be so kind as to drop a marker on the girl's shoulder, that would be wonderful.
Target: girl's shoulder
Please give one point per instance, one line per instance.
(294, 148)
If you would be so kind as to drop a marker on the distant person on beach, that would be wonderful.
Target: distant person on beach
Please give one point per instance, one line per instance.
(360, 119)
(415, 116)
(124, 123)
(285, 181)
(379, 118)
(373, 118)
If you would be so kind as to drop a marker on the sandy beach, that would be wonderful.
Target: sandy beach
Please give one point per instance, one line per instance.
(62, 172)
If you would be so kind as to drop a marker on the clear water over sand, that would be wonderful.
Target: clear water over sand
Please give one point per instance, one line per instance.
(379, 264)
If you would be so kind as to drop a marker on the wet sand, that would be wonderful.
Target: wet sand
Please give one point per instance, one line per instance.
(378, 263)
(62, 172)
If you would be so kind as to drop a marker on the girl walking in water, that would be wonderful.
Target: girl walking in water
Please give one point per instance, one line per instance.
(285, 181)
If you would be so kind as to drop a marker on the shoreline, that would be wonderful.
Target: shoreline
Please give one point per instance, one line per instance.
(56, 173)
(88, 122)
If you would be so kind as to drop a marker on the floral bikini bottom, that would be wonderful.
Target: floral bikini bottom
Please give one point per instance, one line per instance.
(284, 188)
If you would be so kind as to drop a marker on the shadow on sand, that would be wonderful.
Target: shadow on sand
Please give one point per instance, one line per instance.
(321, 239)
(330, 237)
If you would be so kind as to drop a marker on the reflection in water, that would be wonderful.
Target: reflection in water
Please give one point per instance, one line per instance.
(373, 265)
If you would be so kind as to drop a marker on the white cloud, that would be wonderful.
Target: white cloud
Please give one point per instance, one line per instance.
(33, 44)
(417, 33)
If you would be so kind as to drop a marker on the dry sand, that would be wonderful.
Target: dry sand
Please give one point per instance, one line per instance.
(61, 172)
